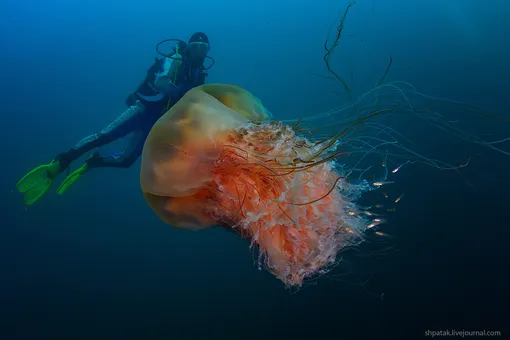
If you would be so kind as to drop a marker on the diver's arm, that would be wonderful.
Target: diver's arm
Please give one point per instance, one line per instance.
(163, 81)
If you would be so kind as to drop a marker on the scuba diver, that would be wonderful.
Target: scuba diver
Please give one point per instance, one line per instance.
(167, 80)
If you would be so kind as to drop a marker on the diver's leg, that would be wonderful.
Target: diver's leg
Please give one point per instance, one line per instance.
(123, 160)
(126, 158)
(126, 123)
(38, 181)
(120, 127)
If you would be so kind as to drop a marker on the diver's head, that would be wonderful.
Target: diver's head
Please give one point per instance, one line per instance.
(198, 46)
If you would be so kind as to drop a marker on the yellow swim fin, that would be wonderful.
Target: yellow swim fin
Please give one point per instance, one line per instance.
(71, 178)
(36, 183)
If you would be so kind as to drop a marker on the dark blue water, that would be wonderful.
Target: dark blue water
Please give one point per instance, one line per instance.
(97, 264)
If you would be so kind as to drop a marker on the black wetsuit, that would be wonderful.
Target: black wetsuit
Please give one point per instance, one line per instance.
(146, 106)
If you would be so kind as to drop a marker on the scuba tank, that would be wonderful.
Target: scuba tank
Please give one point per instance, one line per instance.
(148, 89)
(174, 71)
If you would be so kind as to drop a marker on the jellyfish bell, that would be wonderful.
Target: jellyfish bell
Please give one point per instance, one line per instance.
(188, 136)
(214, 159)
(177, 156)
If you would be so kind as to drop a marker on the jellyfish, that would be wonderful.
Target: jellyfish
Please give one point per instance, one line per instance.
(217, 159)
(295, 188)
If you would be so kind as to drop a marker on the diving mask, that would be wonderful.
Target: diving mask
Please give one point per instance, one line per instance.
(198, 49)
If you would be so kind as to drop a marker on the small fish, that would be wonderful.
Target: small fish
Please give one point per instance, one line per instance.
(381, 183)
(371, 225)
(399, 198)
(385, 195)
(394, 171)
(391, 209)
(375, 222)
(398, 167)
